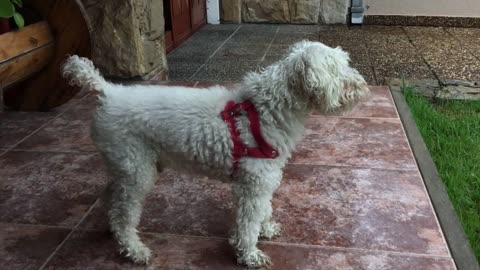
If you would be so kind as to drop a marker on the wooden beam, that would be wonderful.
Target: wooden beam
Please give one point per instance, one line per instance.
(17, 43)
(25, 52)
(23, 66)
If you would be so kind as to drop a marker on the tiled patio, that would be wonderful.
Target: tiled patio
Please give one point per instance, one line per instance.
(226, 52)
(351, 198)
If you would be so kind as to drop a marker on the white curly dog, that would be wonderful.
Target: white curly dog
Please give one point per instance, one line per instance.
(243, 135)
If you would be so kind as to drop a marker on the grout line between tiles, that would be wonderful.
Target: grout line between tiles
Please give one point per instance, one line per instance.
(403, 131)
(412, 254)
(353, 166)
(270, 45)
(437, 221)
(467, 47)
(278, 243)
(69, 235)
(419, 52)
(41, 127)
(432, 208)
(400, 253)
(412, 155)
(353, 117)
(36, 225)
(392, 100)
(28, 136)
(370, 62)
(213, 54)
(54, 151)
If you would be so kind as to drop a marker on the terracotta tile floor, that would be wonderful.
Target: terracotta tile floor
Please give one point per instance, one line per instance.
(351, 198)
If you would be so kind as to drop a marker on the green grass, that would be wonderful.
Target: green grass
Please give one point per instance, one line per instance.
(451, 130)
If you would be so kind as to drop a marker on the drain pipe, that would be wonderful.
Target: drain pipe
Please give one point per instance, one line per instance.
(356, 11)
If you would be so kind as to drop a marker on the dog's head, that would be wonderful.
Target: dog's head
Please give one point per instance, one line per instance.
(322, 77)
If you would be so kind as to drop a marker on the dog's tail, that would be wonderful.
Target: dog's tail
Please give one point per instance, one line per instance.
(80, 71)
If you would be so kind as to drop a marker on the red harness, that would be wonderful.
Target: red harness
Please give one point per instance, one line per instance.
(263, 149)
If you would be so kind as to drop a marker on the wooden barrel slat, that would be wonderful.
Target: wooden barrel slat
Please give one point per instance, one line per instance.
(25, 65)
(14, 44)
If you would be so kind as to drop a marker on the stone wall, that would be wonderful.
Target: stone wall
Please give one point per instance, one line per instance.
(128, 37)
(231, 11)
(285, 11)
(334, 11)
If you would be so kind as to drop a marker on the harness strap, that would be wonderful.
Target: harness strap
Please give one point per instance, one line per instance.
(263, 150)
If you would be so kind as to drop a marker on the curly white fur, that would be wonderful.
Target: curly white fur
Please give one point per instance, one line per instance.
(137, 127)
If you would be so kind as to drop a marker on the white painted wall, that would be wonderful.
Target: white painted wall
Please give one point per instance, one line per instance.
(453, 8)
(213, 11)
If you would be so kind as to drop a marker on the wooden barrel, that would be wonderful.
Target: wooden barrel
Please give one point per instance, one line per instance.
(31, 58)
(25, 52)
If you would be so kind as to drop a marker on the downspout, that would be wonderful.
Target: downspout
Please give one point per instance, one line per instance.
(357, 11)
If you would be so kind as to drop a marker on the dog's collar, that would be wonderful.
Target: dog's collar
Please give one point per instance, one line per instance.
(263, 150)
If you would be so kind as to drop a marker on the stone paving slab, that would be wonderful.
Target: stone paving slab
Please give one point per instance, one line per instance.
(381, 52)
(352, 197)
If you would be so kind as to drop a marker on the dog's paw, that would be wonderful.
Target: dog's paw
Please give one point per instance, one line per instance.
(270, 230)
(255, 258)
(139, 255)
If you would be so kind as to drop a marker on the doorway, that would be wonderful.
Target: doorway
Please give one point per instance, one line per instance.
(182, 19)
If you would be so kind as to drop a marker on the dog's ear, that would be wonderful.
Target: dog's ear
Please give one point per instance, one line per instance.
(317, 73)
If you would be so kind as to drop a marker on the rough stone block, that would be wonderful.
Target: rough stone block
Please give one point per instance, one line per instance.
(304, 11)
(273, 11)
(128, 37)
(295, 11)
(334, 11)
(231, 11)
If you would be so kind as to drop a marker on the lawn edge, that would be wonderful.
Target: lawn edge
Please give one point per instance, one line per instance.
(456, 238)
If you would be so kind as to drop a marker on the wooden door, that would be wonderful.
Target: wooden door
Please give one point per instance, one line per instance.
(182, 18)
(181, 24)
(199, 10)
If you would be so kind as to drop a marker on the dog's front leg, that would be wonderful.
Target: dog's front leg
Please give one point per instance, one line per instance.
(254, 194)
(269, 228)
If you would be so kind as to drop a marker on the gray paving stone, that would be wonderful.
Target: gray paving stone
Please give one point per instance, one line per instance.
(289, 39)
(233, 52)
(225, 70)
(182, 70)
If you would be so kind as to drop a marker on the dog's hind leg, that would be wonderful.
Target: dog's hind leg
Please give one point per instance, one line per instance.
(134, 173)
